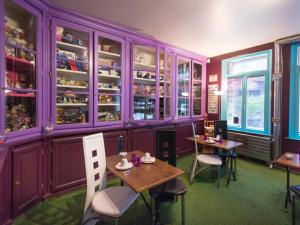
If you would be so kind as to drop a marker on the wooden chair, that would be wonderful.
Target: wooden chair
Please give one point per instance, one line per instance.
(102, 203)
(204, 161)
(168, 192)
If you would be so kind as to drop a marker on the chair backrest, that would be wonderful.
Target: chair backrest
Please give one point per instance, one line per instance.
(166, 146)
(221, 128)
(95, 165)
(195, 138)
(209, 126)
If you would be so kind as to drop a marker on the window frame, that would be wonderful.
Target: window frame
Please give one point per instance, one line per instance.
(244, 76)
(294, 112)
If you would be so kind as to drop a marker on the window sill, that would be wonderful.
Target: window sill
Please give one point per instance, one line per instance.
(293, 138)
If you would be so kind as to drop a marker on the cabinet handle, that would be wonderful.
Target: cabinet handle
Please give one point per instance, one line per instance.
(17, 182)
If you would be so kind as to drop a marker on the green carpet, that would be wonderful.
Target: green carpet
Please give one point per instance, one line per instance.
(256, 198)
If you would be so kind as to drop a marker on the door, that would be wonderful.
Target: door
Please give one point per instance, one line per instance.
(27, 176)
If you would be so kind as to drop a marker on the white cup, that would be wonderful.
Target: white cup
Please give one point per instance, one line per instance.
(147, 156)
(210, 139)
(124, 162)
(218, 137)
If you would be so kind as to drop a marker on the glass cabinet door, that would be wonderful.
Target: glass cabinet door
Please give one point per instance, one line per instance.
(197, 89)
(109, 80)
(144, 82)
(20, 79)
(183, 87)
(72, 76)
(165, 78)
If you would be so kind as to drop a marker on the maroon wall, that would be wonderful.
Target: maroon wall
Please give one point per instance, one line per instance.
(215, 67)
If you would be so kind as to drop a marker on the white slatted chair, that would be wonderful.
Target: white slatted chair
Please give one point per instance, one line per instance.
(204, 161)
(102, 203)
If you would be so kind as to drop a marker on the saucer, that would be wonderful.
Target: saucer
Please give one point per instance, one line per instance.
(289, 155)
(152, 160)
(123, 154)
(210, 142)
(120, 167)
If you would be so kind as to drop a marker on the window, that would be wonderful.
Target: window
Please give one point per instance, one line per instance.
(246, 101)
(294, 120)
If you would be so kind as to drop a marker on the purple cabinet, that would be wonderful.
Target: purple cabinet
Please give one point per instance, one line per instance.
(68, 168)
(109, 79)
(20, 74)
(27, 176)
(144, 83)
(198, 89)
(143, 139)
(111, 140)
(72, 75)
(183, 87)
(5, 185)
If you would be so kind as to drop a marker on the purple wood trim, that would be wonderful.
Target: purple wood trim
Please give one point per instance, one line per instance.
(127, 83)
(63, 23)
(2, 71)
(116, 30)
(38, 68)
(99, 34)
(182, 57)
(46, 78)
(204, 87)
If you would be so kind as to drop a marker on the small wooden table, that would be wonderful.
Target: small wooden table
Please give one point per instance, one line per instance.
(288, 163)
(226, 145)
(144, 177)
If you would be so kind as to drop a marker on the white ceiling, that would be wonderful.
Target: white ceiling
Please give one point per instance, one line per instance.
(208, 27)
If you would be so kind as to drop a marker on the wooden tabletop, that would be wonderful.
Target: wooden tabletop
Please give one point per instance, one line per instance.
(147, 175)
(293, 162)
(226, 144)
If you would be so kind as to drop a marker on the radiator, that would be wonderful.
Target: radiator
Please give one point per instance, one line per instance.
(257, 147)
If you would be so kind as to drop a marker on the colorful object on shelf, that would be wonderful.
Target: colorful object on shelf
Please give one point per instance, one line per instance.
(70, 115)
(15, 35)
(105, 99)
(18, 118)
(59, 33)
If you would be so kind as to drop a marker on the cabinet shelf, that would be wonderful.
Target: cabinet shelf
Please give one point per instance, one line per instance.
(144, 96)
(19, 60)
(144, 79)
(109, 89)
(144, 65)
(109, 67)
(14, 94)
(72, 46)
(70, 71)
(71, 86)
(70, 104)
(110, 76)
(20, 47)
(108, 104)
(110, 54)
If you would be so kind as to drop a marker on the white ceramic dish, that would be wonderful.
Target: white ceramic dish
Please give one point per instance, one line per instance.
(120, 167)
(152, 160)
(289, 155)
(123, 154)
(210, 142)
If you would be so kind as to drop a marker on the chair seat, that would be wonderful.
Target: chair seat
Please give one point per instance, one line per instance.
(173, 187)
(295, 189)
(209, 159)
(113, 201)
